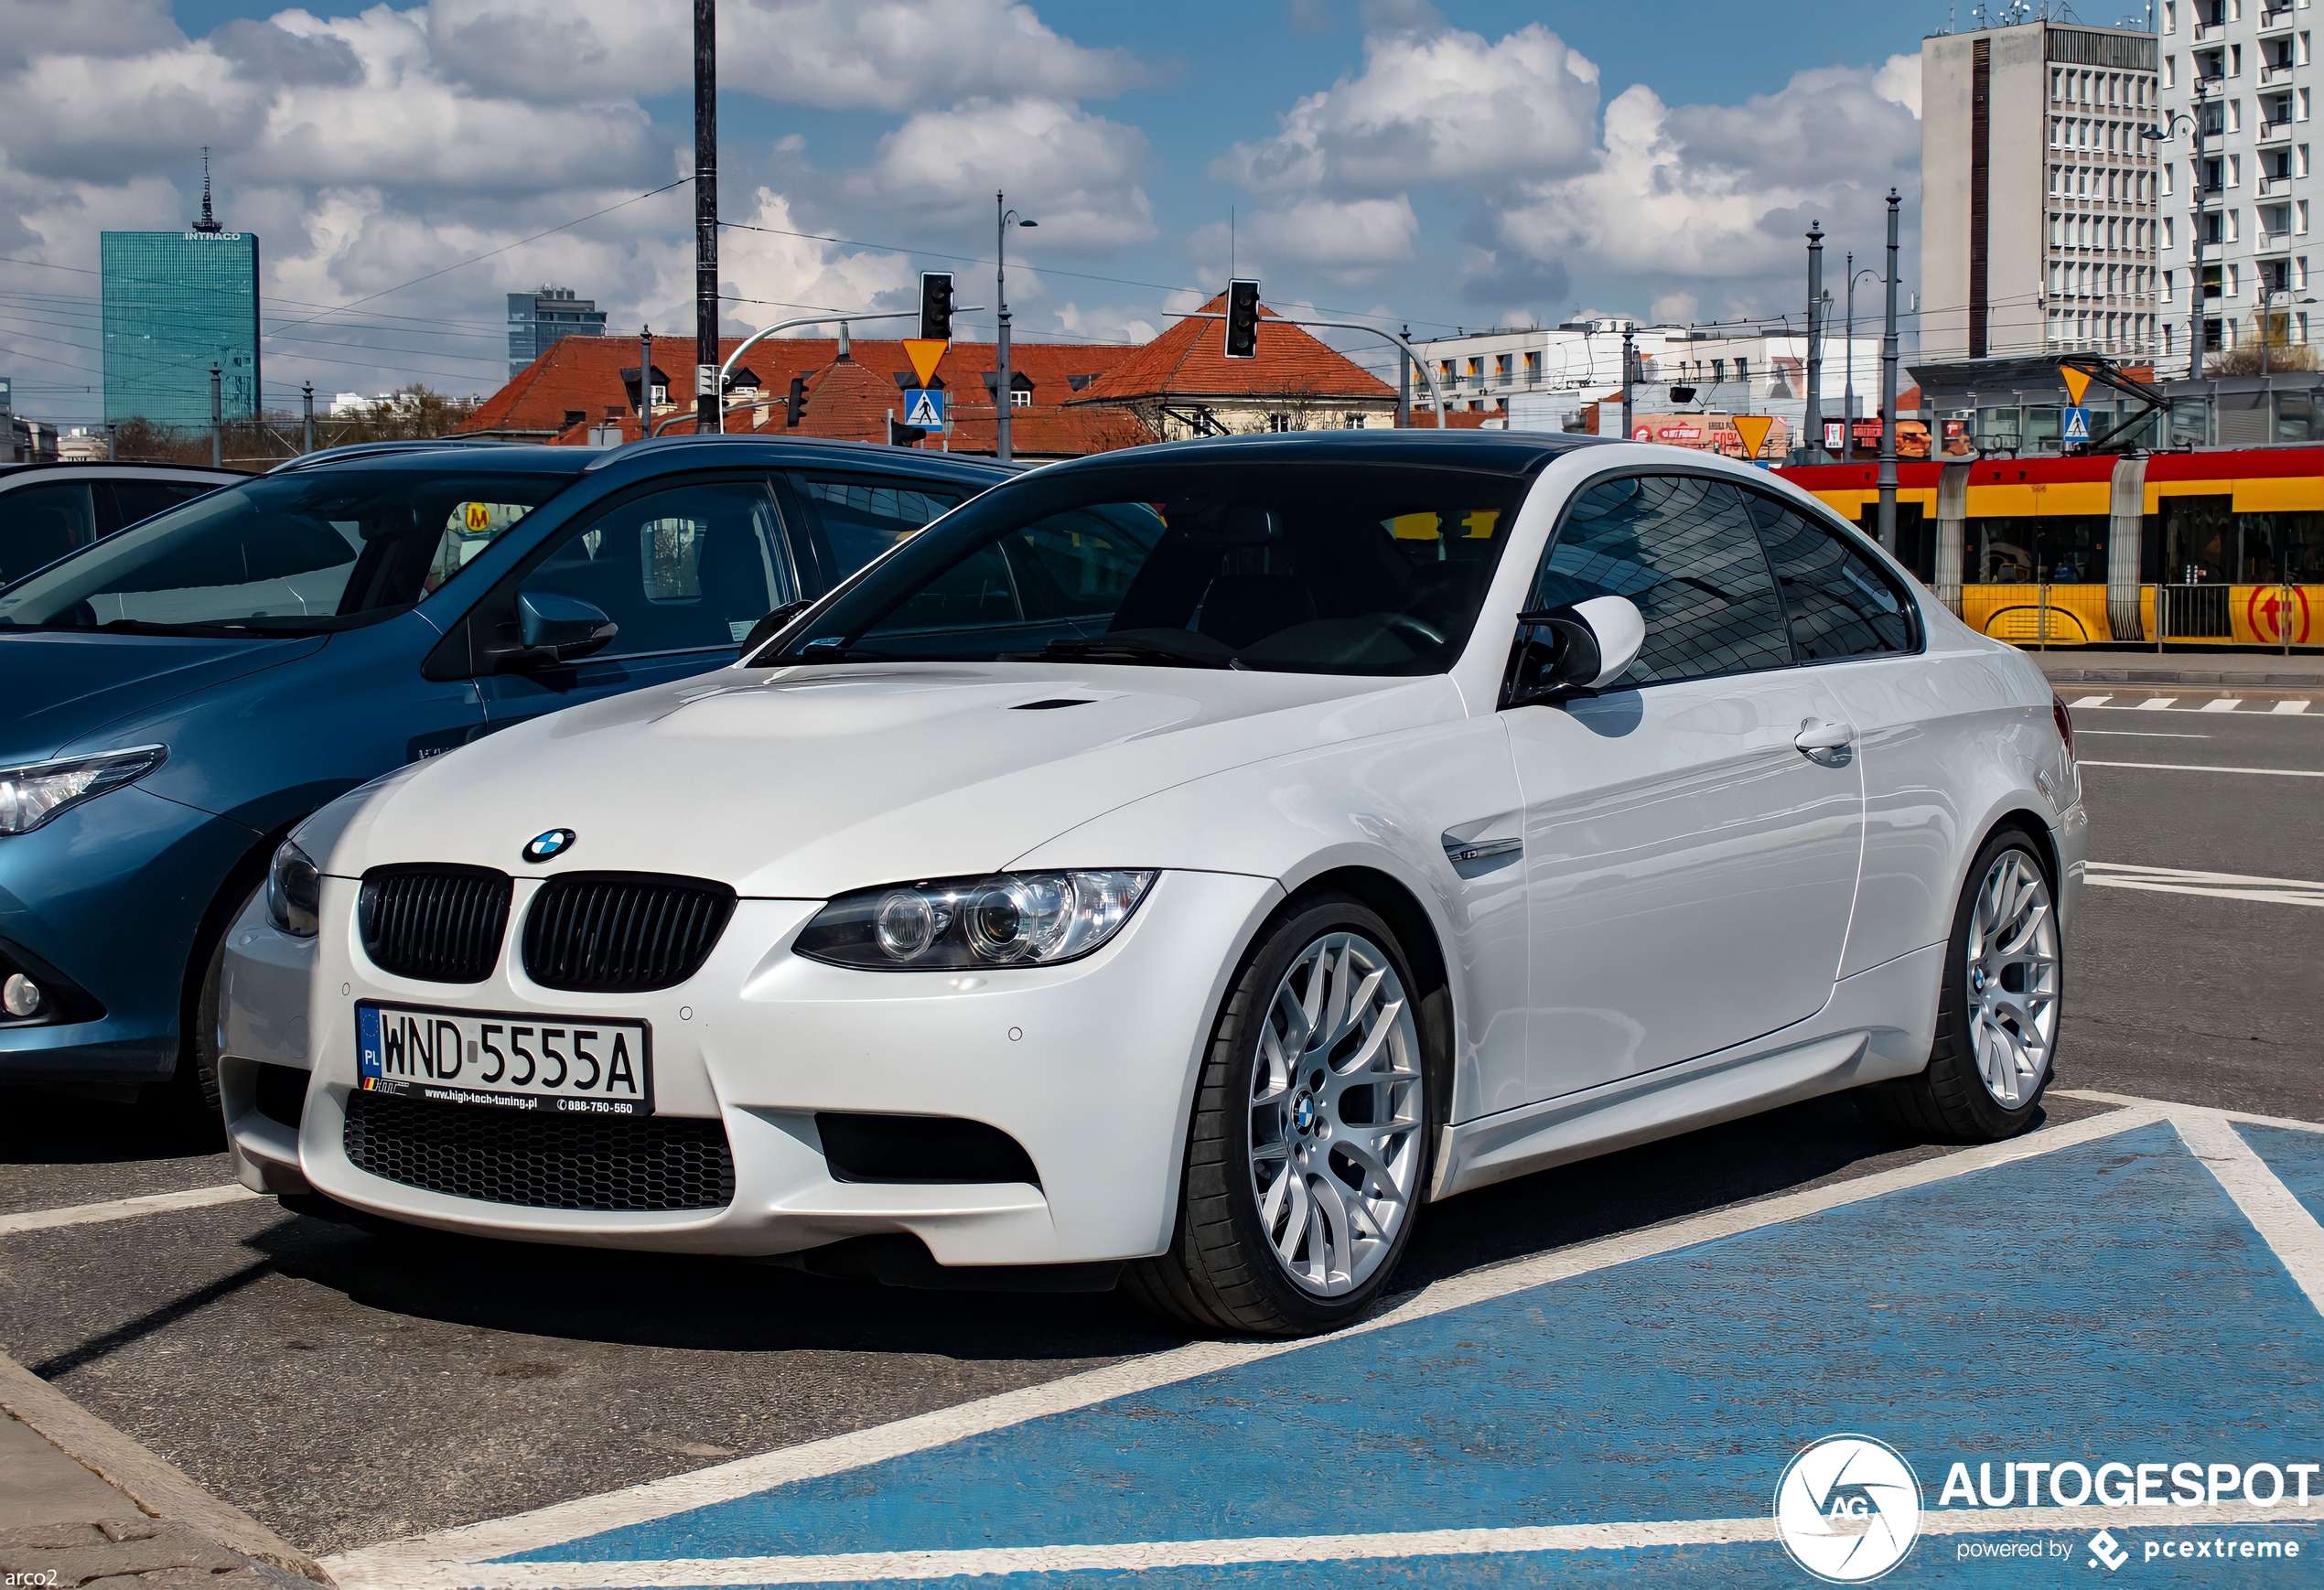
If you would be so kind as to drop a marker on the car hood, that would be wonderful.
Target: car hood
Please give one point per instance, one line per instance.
(812, 782)
(63, 686)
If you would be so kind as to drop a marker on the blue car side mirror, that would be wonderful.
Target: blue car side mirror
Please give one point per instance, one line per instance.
(557, 627)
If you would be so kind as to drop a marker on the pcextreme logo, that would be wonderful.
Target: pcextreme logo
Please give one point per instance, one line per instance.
(1848, 1508)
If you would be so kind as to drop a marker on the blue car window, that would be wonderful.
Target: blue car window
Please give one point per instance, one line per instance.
(860, 520)
(299, 554)
(687, 568)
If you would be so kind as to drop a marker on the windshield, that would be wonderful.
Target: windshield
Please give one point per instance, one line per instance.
(1297, 567)
(297, 553)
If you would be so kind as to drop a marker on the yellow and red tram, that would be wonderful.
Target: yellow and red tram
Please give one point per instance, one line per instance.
(2192, 548)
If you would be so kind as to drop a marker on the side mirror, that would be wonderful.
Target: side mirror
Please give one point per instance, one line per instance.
(1573, 649)
(557, 628)
(764, 630)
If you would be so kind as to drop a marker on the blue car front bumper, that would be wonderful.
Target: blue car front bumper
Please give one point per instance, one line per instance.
(63, 889)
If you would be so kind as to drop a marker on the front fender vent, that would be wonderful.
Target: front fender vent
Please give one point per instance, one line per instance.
(617, 933)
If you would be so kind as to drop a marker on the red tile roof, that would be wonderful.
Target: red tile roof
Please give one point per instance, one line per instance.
(1189, 361)
(570, 388)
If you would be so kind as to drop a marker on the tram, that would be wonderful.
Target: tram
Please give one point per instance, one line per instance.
(2163, 549)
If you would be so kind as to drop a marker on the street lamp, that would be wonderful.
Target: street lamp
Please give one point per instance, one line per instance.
(2195, 222)
(1004, 397)
(1855, 275)
(2268, 296)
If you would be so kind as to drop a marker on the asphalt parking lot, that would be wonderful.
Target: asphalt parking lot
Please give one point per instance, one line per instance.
(349, 1388)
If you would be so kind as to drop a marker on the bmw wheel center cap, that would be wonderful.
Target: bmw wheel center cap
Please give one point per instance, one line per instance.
(548, 846)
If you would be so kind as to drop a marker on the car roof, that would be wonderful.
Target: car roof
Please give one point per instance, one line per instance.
(797, 452)
(1515, 453)
(101, 467)
(385, 449)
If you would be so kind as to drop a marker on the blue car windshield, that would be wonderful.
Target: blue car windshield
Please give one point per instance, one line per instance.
(1303, 567)
(285, 555)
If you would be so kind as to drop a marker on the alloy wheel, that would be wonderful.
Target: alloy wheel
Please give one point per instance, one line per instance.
(2012, 979)
(1335, 1114)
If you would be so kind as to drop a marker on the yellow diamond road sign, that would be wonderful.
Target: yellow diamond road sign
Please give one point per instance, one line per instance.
(1753, 429)
(2077, 383)
(924, 351)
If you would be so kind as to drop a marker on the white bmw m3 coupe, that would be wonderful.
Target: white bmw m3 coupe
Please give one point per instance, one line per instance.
(1181, 867)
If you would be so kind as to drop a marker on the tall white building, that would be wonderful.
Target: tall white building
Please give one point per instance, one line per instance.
(2242, 72)
(2040, 216)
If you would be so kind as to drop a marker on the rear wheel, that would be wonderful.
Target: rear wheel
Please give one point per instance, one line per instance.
(1996, 1036)
(1308, 1151)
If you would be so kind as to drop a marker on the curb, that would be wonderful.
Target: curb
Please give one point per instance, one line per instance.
(157, 1486)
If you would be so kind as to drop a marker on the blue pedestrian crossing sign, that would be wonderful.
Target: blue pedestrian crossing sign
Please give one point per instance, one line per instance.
(924, 407)
(2077, 424)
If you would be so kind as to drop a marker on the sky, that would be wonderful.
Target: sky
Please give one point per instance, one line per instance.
(1436, 166)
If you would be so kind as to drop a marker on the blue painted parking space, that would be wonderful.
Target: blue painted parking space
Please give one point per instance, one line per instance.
(2104, 1302)
(2296, 1157)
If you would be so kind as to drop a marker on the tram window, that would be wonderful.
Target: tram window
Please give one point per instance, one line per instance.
(2061, 550)
(2282, 546)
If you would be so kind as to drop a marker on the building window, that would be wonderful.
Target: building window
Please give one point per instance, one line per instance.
(1534, 360)
(1353, 421)
(1279, 422)
(1742, 370)
(1018, 398)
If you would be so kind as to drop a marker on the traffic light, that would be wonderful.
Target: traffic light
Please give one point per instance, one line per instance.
(795, 405)
(903, 435)
(936, 305)
(1242, 319)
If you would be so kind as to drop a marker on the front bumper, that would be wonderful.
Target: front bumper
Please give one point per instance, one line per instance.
(1090, 1067)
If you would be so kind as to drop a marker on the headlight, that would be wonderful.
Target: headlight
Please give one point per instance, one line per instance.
(294, 891)
(1034, 918)
(32, 794)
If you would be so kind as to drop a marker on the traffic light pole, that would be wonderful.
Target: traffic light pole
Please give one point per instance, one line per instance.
(1436, 392)
(756, 338)
(709, 406)
(1889, 394)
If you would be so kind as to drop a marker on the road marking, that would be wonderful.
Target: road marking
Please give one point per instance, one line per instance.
(2091, 700)
(2225, 703)
(2157, 703)
(2164, 704)
(2203, 768)
(2282, 1221)
(876, 1567)
(2223, 885)
(2288, 707)
(425, 1559)
(2139, 735)
(123, 1208)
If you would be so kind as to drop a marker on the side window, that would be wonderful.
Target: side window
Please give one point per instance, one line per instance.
(1682, 548)
(859, 520)
(122, 503)
(689, 568)
(39, 525)
(1840, 603)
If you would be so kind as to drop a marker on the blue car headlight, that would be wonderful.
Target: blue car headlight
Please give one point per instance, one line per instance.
(1035, 919)
(36, 791)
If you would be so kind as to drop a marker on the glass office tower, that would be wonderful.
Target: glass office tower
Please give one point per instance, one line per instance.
(176, 303)
(539, 321)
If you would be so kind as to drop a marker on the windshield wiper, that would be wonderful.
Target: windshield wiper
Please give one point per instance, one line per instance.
(1124, 648)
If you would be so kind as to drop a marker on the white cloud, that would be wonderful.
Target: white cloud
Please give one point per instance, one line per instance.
(1075, 173)
(890, 55)
(1446, 106)
(794, 276)
(1898, 81)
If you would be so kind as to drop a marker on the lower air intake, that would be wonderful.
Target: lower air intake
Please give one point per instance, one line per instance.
(656, 1164)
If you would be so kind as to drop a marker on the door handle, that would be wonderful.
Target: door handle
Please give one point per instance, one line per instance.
(1823, 741)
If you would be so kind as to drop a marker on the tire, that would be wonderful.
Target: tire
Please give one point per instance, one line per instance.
(1985, 1028)
(1264, 1250)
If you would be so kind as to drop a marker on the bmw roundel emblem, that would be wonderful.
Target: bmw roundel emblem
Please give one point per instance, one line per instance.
(550, 845)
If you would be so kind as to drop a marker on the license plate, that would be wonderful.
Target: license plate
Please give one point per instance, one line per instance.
(570, 1065)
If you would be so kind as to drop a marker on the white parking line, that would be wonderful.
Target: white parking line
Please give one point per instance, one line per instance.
(427, 1560)
(2280, 1219)
(2222, 886)
(2138, 734)
(2202, 768)
(121, 1209)
(2091, 700)
(1135, 1556)
(2288, 707)
(2157, 703)
(2225, 703)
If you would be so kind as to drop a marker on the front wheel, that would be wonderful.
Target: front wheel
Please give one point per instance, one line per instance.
(1307, 1154)
(1996, 1036)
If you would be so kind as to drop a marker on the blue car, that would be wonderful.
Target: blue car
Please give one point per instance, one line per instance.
(176, 697)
